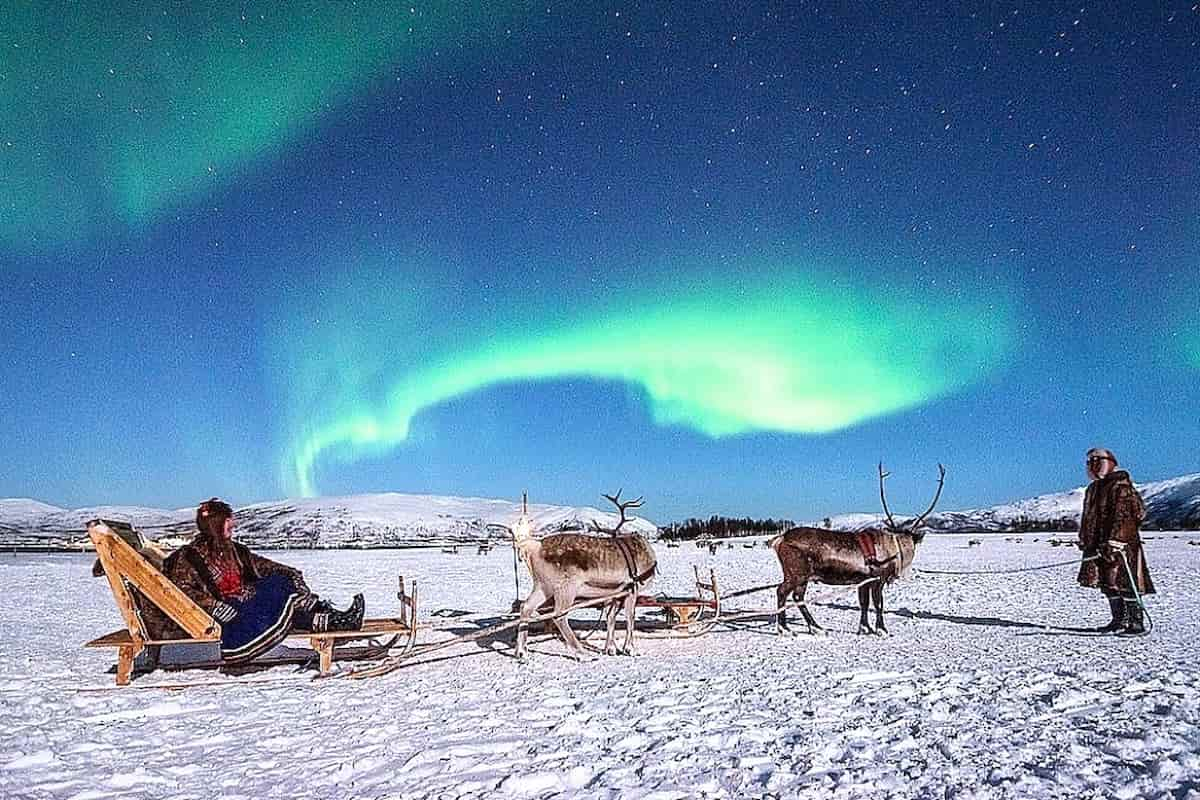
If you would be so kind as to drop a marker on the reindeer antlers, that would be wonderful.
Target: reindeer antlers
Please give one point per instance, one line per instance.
(941, 482)
(912, 526)
(616, 501)
(891, 523)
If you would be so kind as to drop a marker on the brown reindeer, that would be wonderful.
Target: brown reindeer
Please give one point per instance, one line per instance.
(868, 559)
(568, 567)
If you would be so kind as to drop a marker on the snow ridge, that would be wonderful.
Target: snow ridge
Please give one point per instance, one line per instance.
(356, 521)
(1172, 504)
(412, 520)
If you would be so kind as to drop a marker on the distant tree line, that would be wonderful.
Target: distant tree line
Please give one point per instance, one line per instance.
(1024, 524)
(718, 527)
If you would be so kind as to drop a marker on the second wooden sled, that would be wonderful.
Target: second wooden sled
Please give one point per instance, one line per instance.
(135, 581)
(685, 616)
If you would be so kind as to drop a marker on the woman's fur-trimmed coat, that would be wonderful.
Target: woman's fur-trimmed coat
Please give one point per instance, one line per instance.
(179, 567)
(1112, 511)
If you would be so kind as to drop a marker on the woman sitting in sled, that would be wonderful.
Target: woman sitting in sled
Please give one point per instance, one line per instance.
(257, 601)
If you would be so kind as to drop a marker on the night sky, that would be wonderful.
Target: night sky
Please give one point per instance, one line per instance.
(725, 255)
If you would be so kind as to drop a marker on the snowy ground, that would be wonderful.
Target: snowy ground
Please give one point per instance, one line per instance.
(972, 696)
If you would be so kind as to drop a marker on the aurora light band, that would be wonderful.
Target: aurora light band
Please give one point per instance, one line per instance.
(790, 356)
(144, 120)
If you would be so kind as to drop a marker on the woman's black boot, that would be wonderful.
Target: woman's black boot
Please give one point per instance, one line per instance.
(351, 619)
(317, 605)
(324, 606)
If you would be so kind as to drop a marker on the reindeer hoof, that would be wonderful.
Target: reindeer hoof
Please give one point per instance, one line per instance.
(865, 630)
(883, 632)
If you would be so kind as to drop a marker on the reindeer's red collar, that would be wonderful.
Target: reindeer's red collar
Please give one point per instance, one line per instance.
(866, 543)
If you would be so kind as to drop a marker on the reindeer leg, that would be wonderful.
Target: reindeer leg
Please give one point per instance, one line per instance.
(630, 611)
(564, 598)
(781, 595)
(864, 605)
(528, 609)
(610, 621)
(813, 628)
(877, 596)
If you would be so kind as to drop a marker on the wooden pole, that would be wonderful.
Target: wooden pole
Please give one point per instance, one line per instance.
(516, 572)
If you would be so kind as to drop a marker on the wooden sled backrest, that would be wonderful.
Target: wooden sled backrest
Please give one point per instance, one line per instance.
(709, 587)
(124, 567)
(408, 603)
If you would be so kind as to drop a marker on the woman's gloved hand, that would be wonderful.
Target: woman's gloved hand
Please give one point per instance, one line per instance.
(223, 612)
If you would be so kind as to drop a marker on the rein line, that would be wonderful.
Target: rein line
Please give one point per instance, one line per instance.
(1006, 571)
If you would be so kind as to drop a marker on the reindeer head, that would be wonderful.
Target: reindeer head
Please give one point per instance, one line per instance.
(522, 535)
(912, 527)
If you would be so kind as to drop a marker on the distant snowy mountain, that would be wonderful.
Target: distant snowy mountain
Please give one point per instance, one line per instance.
(21, 510)
(410, 520)
(373, 520)
(1172, 504)
(383, 520)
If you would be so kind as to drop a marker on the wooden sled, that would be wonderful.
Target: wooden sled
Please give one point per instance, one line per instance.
(133, 579)
(686, 616)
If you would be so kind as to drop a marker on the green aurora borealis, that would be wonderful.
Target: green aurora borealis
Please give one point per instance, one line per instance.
(139, 109)
(725, 255)
(789, 355)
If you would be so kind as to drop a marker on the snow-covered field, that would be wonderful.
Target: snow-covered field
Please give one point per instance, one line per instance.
(981, 691)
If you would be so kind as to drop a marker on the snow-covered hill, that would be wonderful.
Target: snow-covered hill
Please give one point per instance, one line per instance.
(400, 520)
(371, 520)
(381, 520)
(1172, 504)
(19, 510)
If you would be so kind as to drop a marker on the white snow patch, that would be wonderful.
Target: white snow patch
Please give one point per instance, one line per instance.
(988, 687)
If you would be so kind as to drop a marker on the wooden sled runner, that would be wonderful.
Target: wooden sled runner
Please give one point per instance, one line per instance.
(132, 579)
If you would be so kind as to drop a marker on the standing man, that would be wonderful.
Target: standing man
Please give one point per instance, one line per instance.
(1112, 511)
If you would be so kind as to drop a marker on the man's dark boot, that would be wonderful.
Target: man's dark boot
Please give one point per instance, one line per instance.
(1135, 623)
(1117, 606)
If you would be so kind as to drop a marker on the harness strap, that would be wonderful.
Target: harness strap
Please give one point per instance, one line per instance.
(637, 579)
(866, 543)
(627, 554)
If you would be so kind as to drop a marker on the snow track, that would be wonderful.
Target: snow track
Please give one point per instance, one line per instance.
(981, 691)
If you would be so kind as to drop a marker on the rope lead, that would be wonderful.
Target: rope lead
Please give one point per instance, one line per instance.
(1006, 571)
(1133, 586)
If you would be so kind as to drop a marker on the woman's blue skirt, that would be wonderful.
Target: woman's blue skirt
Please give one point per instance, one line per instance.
(263, 619)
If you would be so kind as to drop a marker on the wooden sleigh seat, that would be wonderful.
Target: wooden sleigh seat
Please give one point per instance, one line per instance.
(135, 580)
